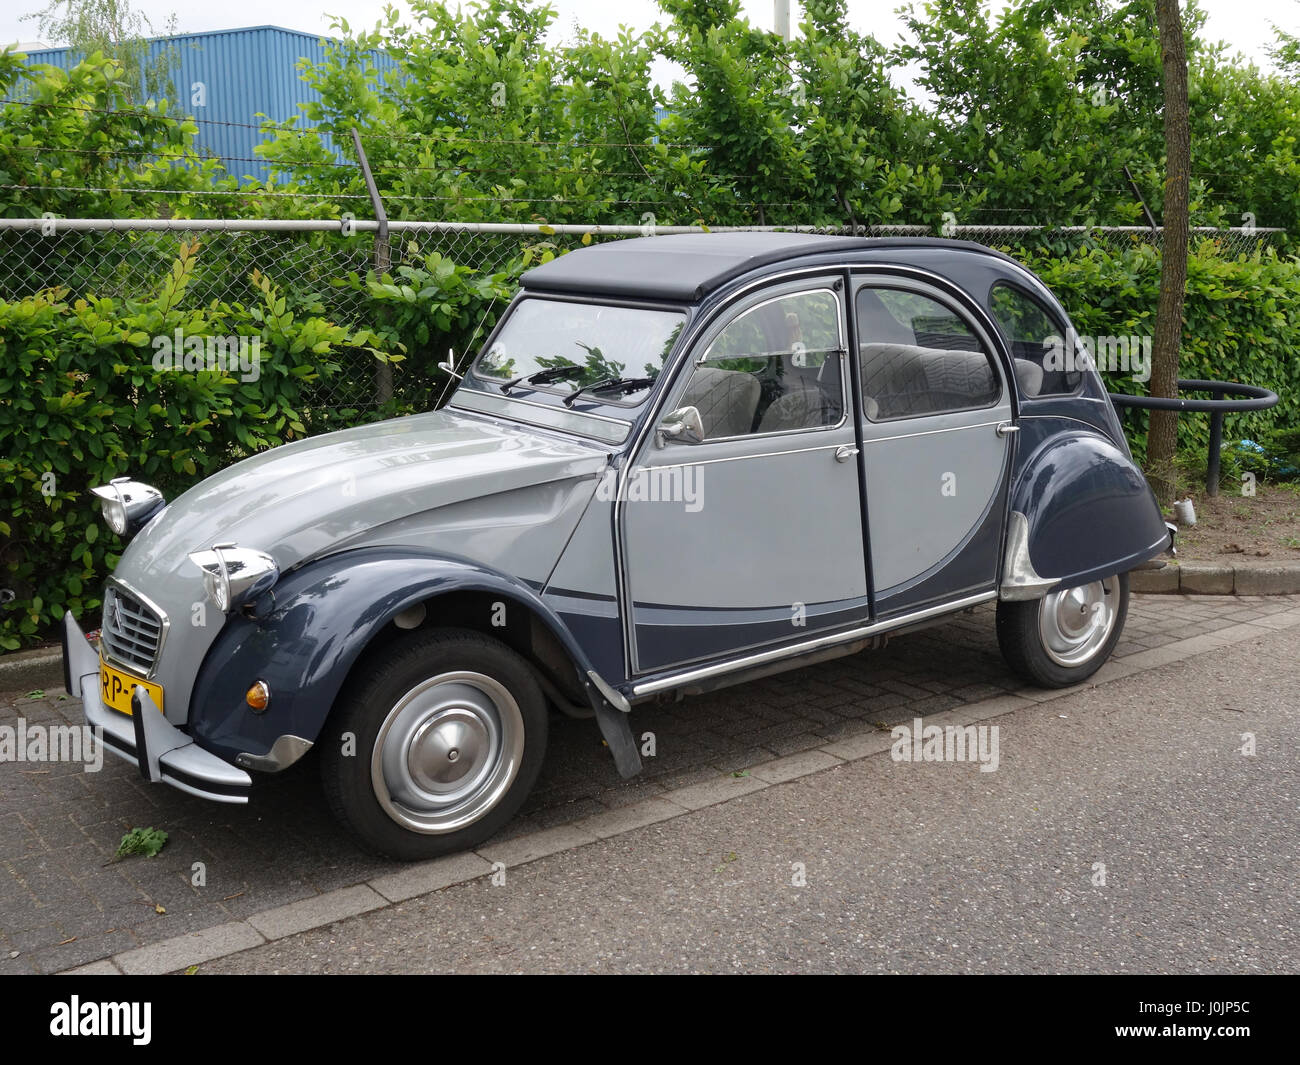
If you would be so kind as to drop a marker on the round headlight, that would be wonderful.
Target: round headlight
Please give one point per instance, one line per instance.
(128, 505)
(217, 585)
(234, 576)
(114, 515)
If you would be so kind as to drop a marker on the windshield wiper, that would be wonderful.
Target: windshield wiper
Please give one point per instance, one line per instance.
(541, 377)
(610, 384)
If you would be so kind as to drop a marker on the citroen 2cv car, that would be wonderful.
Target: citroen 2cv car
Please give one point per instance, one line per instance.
(679, 462)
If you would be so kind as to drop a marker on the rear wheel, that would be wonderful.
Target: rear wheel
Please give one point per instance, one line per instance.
(1064, 637)
(434, 744)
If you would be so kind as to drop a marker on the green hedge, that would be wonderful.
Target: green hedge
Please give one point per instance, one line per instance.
(87, 394)
(1241, 323)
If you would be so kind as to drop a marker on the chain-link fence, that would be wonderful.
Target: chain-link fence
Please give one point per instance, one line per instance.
(321, 268)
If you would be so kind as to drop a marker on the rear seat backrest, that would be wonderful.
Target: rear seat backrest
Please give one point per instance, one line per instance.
(891, 372)
(899, 380)
(1029, 376)
(960, 373)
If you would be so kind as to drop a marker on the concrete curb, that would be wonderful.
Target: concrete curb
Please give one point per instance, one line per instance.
(422, 878)
(30, 670)
(1218, 578)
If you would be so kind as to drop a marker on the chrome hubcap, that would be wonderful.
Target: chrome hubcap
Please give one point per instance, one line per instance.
(447, 752)
(1075, 623)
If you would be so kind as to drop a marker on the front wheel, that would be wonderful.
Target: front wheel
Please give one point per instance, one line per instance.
(1064, 637)
(434, 744)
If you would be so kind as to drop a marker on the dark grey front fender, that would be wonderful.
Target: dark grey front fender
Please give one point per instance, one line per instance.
(322, 618)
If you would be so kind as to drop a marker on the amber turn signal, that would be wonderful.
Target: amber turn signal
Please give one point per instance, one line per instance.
(258, 696)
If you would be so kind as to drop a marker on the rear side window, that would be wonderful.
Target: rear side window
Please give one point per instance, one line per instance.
(1044, 365)
(919, 357)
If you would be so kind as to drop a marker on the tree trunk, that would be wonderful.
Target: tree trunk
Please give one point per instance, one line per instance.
(1162, 435)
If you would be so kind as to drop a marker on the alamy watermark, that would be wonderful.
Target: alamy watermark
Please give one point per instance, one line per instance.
(656, 484)
(232, 355)
(920, 742)
(133, 1020)
(1119, 354)
(53, 743)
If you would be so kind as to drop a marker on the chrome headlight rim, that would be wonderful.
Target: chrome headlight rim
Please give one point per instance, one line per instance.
(128, 505)
(234, 576)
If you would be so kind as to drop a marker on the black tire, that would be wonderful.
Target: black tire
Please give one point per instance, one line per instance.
(431, 693)
(1029, 652)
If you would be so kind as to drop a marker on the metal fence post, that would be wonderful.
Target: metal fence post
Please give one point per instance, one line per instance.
(384, 371)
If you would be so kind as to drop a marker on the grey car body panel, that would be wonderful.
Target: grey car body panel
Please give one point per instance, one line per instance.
(962, 572)
(510, 484)
(583, 592)
(320, 495)
(521, 529)
(933, 479)
(764, 567)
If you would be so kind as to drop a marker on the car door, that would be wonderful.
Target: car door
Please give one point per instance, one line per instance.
(751, 535)
(937, 436)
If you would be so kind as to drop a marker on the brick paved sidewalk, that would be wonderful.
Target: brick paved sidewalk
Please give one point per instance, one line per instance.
(63, 901)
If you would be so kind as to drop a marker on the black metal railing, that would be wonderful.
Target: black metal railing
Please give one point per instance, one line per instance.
(1255, 398)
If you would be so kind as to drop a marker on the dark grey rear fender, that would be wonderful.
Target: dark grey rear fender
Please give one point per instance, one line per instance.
(324, 616)
(1090, 510)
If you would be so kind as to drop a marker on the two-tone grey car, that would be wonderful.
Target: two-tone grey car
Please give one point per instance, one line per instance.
(677, 463)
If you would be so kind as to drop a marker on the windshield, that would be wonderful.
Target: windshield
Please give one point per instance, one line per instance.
(595, 343)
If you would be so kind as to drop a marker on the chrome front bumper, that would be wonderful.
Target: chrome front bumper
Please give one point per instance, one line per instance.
(162, 752)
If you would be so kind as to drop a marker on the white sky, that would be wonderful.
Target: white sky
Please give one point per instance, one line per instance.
(1244, 24)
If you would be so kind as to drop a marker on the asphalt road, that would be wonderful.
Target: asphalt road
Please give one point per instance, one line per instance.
(929, 867)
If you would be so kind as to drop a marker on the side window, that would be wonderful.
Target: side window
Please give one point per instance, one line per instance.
(1037, 341)
(776, 367)
(918, 357)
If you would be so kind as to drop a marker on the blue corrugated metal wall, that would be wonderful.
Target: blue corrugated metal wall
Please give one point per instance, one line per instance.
(245, 73)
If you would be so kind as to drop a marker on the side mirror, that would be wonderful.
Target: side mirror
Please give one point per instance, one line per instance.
(450, 365)
(684, 425)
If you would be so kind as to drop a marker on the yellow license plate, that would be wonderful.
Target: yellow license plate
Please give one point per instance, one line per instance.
(115, 688)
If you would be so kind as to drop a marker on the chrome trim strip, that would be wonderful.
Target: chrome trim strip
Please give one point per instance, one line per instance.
(1020, 581)
(929, 432)
(689, 676)
(739, 458)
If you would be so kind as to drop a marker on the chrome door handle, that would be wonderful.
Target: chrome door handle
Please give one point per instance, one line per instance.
(1006, 429)
(845, 452)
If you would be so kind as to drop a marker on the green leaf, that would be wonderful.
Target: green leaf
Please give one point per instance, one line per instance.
(146, 841)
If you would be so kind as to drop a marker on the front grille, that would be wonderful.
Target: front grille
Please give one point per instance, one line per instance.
(131, 632)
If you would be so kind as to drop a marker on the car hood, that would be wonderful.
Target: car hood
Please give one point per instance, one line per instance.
(309, 497)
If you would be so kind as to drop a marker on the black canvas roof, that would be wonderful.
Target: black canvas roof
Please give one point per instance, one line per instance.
(688, 266)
